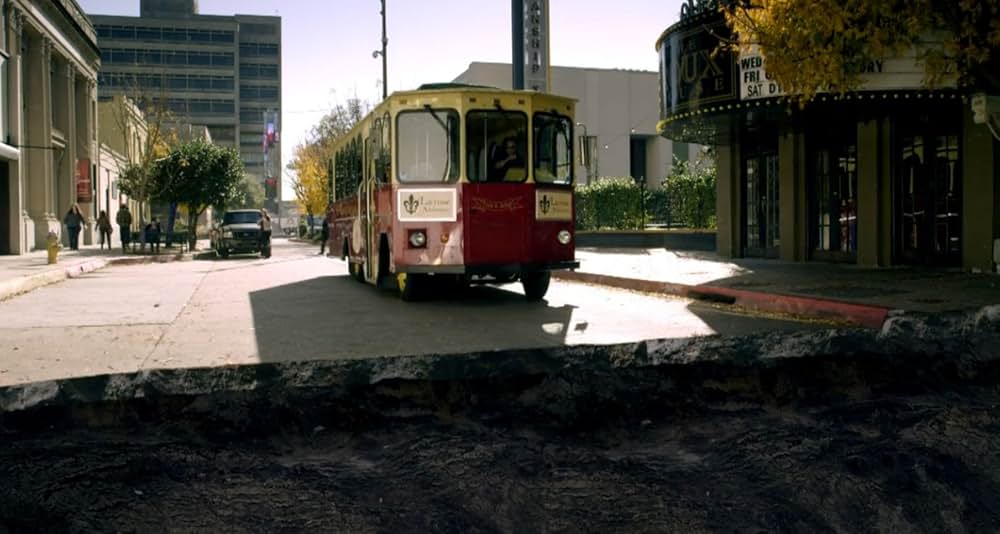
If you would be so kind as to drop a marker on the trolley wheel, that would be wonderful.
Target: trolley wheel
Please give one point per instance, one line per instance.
(409, 286)
(357, 271)
(536, 284)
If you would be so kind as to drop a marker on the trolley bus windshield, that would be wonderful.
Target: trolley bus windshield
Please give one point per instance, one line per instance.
(427, 146)
(553, 149)
(496, 142)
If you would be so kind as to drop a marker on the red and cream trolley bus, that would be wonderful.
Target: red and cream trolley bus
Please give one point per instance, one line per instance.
(449, 181)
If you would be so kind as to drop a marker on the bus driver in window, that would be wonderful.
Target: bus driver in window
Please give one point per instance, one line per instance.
(506, 160)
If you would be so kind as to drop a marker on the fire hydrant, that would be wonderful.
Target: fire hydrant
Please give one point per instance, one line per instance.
(52, 244)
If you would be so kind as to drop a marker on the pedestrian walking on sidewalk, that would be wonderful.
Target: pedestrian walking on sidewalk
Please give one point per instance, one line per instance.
(105, 229)
(74, 222)
(124, 220)
(265, 233)
(324, 233)
(152, 232)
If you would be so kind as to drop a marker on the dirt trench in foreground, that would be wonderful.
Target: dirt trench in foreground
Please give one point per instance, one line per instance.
(925, 461)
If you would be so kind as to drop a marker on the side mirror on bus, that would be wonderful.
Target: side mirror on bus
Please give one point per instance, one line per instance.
(584, 151)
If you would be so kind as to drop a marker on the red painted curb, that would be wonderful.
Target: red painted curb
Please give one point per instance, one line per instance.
(861, 314)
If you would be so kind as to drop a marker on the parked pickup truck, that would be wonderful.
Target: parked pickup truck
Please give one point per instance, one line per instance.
(239, 233)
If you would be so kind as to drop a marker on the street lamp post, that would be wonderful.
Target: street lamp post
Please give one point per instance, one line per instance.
(377, 53)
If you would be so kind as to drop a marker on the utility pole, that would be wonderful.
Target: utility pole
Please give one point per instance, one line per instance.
(517, 42)
(385, 43)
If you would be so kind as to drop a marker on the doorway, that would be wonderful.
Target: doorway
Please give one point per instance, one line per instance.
(928, 194)
(637, 158)
(761, 223)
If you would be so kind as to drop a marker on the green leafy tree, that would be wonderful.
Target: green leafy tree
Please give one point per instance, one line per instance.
(198, 175)
(249, 194)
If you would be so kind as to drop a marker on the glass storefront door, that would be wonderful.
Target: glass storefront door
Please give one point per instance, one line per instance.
(833, 198)
(928, 195)
(761, 225)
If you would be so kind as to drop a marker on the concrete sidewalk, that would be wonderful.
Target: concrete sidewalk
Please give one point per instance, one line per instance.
(859, 295)
(23, 273)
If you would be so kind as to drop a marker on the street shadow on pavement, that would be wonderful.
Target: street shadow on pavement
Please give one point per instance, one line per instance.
(336, 317)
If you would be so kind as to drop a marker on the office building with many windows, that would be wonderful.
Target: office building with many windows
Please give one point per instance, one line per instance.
(223, 72)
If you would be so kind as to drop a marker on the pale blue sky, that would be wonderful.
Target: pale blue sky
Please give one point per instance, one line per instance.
(327, 45)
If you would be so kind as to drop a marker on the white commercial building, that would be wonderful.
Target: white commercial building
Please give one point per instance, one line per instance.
(48, 95)
(617, 111)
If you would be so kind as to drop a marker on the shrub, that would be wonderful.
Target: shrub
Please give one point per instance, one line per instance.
(610, 204)
(690, 193)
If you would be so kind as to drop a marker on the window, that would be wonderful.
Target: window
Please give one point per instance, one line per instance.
(222, 83)
(497, 143)
(199, 83)
(427, 146)
(223, 107)
(224, 60)
(123, 56)
(148, 34)
(258, 29)
(122, 32)
(251, 115)
(199, 58)
(241, 217)
(553, 149)
(834, 195)
(200, 106)
(174, 35)
(221, 36)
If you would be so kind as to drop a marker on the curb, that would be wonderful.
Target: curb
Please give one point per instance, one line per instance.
(26, 284)
(861, 314)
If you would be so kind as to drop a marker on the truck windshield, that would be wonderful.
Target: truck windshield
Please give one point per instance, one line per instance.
(427, 143)
(241, 217)
(497, 143)
(553, 149)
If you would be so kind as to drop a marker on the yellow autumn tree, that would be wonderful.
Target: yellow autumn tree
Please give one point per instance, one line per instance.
(311, 186)
(311, 157)
(812, 45)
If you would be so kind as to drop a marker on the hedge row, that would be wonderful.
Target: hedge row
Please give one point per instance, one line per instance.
(687, 199)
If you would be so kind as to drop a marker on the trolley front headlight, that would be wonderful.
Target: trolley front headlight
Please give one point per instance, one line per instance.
(564, 237)
(418, 238)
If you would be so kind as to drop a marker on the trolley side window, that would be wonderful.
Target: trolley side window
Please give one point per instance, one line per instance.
(497, 143)
(427, 143)
(553, 149)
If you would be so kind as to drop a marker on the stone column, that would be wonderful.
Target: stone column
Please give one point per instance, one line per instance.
(15, 106)
(792, 201)
(869, 193)
(728, 204)
(38, 136)
(86, 149)
(874, 193)
(979, 195)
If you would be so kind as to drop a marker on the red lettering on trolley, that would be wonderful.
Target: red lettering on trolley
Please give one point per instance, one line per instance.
(485, 204)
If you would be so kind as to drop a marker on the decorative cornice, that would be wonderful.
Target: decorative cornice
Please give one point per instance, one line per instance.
(47, 46)
(16, 18)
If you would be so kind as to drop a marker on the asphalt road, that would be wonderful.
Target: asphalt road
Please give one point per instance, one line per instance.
(301, 306)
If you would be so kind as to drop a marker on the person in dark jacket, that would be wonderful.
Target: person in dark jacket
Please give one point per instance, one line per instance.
(324, 233)
(124, 220)
(104, 227)
(74, 222)
(153, 235)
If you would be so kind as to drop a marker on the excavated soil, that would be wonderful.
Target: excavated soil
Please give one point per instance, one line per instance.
(920, 462)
